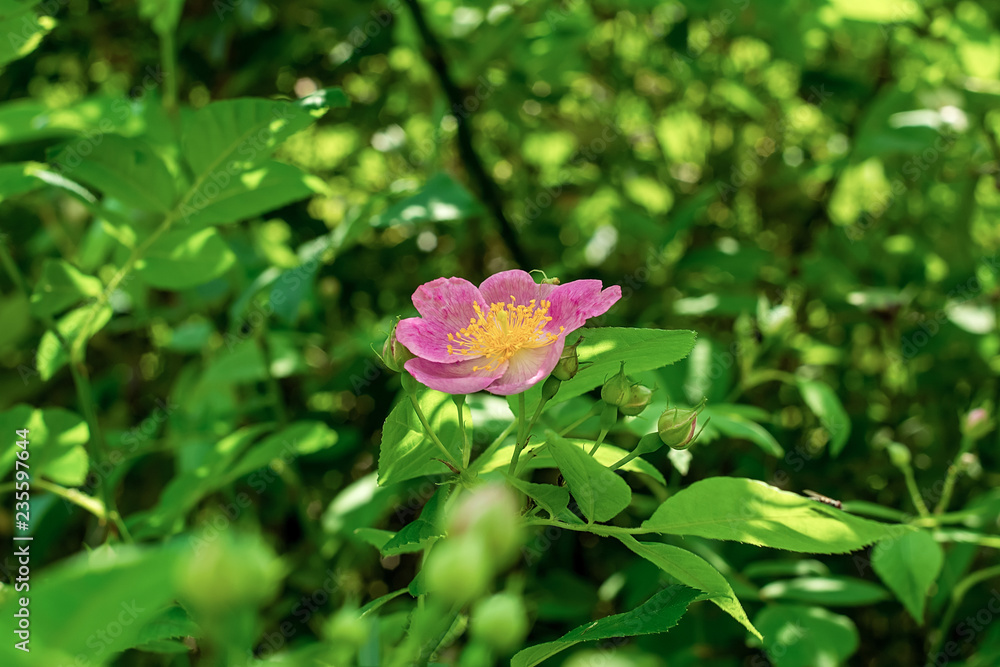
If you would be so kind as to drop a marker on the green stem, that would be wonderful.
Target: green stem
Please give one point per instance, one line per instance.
(911, 486)
(623, 460)
(520, 435)
(273, 388)
(99, 449)
(957, 594)
(168, 60)
(597, 529)
(11, 266)
(600, 441)
(459, 400)
(92, 505)
(429, 431)
(75, 496)
(493, 446)
(952, 477)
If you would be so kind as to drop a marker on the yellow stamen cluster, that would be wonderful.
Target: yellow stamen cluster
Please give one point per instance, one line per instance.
(503, 330)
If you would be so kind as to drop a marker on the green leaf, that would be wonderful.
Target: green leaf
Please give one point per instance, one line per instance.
(640, 349)
(225, 138)
(553, 499)
(303, 437)
(770, 569)
(440, 200)
(22, 29)
(123, 168)
(825, 591)
(746, 510)
(694, 571)
(909, 566)
(736, 426)
(798, 636)
(17, 179)
(57, 438)
(184, 258)
(822, 400)
(61, 286)
(599, 492)
(374, 536)
(201, 471)
(229, 198)
(406, 451)
(172, 622)
(658, 614)
(538, 457)
(31, 120)
(51, 356)
(123, 588)
(414, 536)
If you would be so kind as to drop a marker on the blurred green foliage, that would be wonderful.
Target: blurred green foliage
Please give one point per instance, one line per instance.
(810, 185)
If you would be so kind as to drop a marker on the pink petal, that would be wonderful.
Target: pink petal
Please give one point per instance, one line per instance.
(448, 301)
(500, 287)
(428, 338)
(457, 378)
(575, 302)
(527, 368)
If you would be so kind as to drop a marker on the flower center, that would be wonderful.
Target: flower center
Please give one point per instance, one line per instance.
(503, 330)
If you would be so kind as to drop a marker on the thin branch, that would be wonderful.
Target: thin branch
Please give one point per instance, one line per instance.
(488, 188)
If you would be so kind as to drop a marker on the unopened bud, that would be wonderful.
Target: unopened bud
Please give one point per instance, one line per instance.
(492, 513)
(501, 621)
(899, 455)
(676, 426)
(616, 390)
(550, 387)
(569, 363)
(639, 397)
(977, 424)
(394, 353)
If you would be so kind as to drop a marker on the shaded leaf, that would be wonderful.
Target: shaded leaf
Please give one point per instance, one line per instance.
(658, 614)
(599, 492)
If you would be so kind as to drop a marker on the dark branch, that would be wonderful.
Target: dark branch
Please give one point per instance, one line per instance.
(488, 189)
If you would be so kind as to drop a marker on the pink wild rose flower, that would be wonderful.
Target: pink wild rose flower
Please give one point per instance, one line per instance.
(504, 336)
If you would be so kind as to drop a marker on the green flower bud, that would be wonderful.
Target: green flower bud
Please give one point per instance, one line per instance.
(550, 387)
(394, 353)
(346, 627)
(977, 424)
(226, 572)
(639, 396)
(616, 390)
(459, 568)
(569, 363)
(676, 426)
(501, 622)
(491, 513)
(899, 455)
